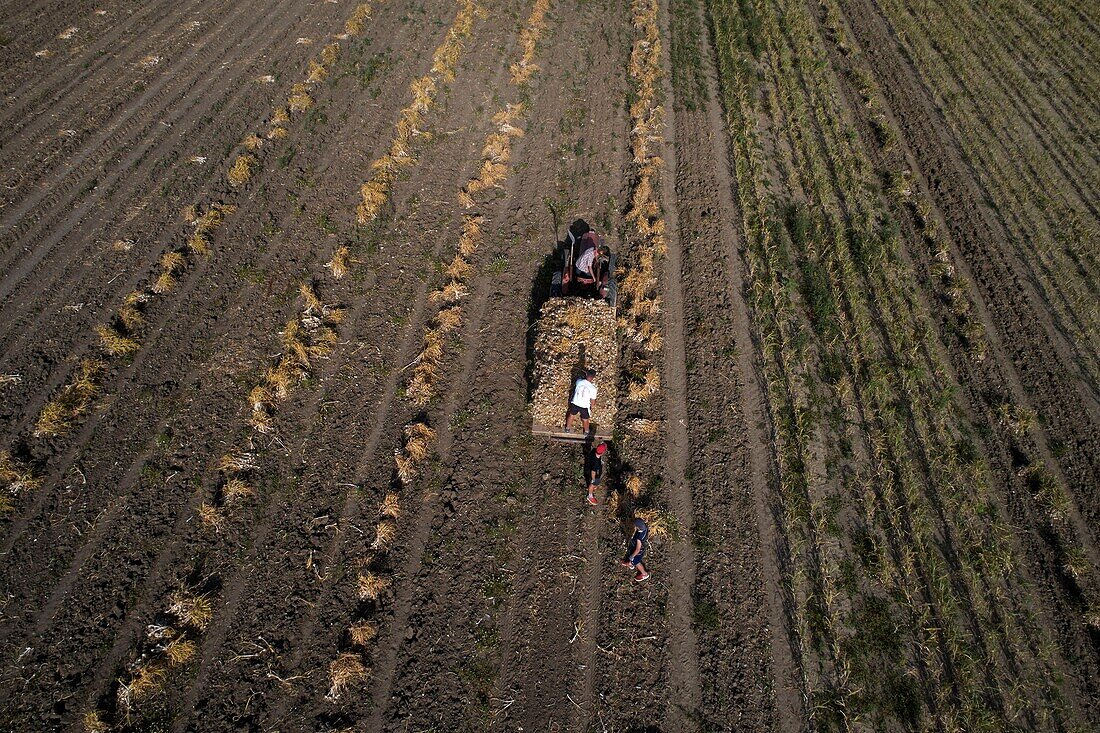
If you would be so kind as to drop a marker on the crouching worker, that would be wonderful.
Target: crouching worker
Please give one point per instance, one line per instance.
(635, 551)
(591, 269)
(583, 400)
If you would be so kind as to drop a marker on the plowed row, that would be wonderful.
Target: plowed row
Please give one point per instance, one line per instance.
(268, 273)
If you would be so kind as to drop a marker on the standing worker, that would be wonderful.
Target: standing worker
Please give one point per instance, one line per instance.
(584, 397)
(594, 471)
(635, 551)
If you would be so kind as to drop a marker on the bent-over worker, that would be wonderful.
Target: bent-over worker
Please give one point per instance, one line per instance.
(590, 269)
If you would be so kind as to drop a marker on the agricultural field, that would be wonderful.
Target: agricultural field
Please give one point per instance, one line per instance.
(269, 279)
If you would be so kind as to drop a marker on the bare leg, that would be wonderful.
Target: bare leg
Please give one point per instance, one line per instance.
(584, 424)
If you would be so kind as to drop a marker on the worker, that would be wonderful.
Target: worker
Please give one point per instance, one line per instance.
(583, 400)
(590, 270)
(594, 470)
(635, 551)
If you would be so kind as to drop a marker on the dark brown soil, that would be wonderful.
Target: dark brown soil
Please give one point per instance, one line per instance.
(507, 607)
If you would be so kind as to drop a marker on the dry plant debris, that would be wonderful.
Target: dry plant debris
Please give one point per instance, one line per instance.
(241, 171)
(338, 265)
(496, 153)
(59, 414)
(192, 610)
(309, 337)
(15, 478)
(375, 191)
(567, 327)
(372, 585)
(390, 506)
(523, 69)
(362, 633)
(346, 670)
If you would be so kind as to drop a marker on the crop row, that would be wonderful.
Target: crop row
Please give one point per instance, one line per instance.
(1042, 196)
(122, 335)
(16, 478)
(639, 309)
(171, 641)
(350, 664)
(385, 170)
(917, 371)
(862, 420)
(1052, 504)
(307, 338)
(809, 556)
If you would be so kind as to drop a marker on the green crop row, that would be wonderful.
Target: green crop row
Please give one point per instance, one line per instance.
(1040, 173)
(904, 600)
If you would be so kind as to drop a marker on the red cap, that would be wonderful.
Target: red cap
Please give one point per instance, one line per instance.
(601, 449)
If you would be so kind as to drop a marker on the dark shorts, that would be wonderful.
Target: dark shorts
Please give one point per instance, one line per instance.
(640, 557)
(582, 411)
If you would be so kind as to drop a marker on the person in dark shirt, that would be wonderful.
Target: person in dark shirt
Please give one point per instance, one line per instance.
(594, 470)
(635, 551)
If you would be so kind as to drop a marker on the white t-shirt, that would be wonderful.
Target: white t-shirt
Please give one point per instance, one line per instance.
(584, 393)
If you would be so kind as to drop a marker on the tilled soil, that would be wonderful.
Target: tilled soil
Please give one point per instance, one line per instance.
(507, 608)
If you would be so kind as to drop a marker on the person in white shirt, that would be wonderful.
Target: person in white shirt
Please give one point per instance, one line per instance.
(583, 401)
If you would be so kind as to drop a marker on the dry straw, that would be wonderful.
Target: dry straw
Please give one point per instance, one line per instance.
(194, 611)
(180, 651)
(566, 326)
(390, 506)
(372, 585)
(115, 343)
(345, 671)
(317, 73)
(299, 100)
(525, 68)
(362, 633)
(235, 490)
(662, 523)
(358, 19)
(92, 722)
(148, 680)
(72, 401)
(385, 534)
(375, 191)
(241, 171)
(418, 440)
(15, 476)
(338, 265)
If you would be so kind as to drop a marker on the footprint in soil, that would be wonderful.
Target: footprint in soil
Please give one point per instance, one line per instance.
(447, 497)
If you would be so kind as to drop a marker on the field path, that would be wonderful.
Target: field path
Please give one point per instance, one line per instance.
(685, 695)
(726, 424)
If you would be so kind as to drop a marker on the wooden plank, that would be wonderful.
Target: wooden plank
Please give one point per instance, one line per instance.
(600, 433)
